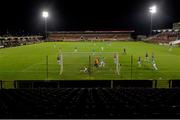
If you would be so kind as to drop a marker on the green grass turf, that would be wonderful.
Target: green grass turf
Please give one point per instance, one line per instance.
(29, 62)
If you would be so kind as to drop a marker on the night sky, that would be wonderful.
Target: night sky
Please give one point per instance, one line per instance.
(19, 16)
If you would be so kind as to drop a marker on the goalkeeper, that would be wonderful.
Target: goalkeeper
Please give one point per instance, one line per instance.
(96, 63)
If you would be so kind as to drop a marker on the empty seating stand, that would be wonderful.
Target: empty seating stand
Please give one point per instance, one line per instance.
(133, 83)
(90, 103)
(175, 83)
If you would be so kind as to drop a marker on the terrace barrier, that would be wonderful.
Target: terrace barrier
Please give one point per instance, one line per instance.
(29, 84)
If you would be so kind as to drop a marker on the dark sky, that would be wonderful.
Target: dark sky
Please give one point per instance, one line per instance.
(25, 15)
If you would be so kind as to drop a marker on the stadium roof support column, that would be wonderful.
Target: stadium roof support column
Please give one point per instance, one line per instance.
(45, 15)
(152, 10)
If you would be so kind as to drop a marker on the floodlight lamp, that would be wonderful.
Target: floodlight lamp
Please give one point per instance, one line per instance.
(45, 14)
(153, 9)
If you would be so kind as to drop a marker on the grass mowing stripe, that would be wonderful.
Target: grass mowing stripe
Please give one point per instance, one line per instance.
(16, 63)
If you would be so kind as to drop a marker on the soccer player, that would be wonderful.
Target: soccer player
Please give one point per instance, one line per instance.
(102, 63)
(124, 51)
(147, 57)
(115, 59)
(102, 48)
(170, 47)
(109, 43)
(154, 65)
(59, 59)
(139, 62)
(96, 63)
(60, 49)
(54, 45)
(153, 57)
(85, 69)
(75, 49)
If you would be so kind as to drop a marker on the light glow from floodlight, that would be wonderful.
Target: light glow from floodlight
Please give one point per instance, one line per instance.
(153, 9)
(45, 14)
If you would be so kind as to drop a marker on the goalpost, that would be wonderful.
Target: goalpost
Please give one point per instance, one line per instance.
(89, 60)
(61, 67)
(117, 64)
(60, 62)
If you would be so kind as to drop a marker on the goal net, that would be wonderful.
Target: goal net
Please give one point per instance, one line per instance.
(88, 65)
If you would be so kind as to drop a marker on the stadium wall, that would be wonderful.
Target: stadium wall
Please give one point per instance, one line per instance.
(76, 84)
(29, 84)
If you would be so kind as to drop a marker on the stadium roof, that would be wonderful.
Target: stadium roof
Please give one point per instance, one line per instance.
(92, 32)
(167, 30)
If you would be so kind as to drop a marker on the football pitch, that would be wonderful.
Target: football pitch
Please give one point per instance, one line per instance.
(39, 61)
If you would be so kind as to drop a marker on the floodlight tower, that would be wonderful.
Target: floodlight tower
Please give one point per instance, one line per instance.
(152, 10)
(45, 15)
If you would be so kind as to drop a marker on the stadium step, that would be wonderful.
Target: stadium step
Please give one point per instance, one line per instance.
(162, 83)
(8, 84)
